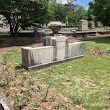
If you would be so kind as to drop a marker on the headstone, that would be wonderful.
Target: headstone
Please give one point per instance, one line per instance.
(99, 24)
(3, 105)
(92, 25)
(83, 25)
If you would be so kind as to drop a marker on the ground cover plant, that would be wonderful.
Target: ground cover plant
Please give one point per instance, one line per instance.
(22, 91)
(99, 46)
(85, 82)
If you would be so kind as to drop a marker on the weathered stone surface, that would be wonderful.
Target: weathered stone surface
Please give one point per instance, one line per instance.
(60, 47)
(83, 25)
(75, 49)
(55, 26)
(37, 56)
(47, 41)
(92, 25)
(3, 105)
(59, 51)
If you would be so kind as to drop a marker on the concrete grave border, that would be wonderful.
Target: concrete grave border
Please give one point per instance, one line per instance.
(3, 104)
(43, 66)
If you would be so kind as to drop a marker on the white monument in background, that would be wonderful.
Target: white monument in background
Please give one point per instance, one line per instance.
(61, 1)
(83, 25)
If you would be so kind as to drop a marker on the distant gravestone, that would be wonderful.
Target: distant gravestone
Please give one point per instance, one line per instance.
(99, 24)
(92, 25)
(83, 25)
(3, 105)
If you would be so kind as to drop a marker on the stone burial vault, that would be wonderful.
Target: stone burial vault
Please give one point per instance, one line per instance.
(56, 50)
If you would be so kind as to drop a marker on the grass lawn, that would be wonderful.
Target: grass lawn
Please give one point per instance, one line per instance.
(4, 36)
(85, 81)
(98, 45)
(101, 29)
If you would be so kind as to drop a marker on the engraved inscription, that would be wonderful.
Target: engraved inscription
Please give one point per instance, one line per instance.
(61, 46)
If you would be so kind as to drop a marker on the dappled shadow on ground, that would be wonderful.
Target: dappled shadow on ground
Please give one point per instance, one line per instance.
(102, 39)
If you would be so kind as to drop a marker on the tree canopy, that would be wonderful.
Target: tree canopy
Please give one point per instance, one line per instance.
(101, 10)
(23, 13)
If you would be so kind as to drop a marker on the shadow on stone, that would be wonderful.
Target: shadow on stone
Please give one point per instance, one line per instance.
(1, 107)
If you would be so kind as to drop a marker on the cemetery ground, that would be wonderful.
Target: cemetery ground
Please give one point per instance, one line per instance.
(85, 82)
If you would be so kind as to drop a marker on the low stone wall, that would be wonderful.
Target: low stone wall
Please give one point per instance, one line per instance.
(37, 56)
(19, 41)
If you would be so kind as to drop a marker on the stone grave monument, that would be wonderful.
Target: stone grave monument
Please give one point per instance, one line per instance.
(56, 50)
(92, 25)
(83, 25)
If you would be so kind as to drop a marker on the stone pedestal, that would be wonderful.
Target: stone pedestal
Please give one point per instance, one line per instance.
(60, 44)
(47, 41)
(83, 25)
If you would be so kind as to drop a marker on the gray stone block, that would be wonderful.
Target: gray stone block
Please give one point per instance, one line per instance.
(47, 41)
(59, 51)
(75, 49)
(37, 56)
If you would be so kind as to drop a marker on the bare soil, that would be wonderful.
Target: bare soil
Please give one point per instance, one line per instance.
(22, 91)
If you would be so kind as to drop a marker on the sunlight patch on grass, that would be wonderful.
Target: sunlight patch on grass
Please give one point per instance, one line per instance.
(98, 44)
(86, 79)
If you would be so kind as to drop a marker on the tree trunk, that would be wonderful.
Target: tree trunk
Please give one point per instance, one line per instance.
(14, 30)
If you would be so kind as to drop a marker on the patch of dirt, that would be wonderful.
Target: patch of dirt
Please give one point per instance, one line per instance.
(94, 52)
(22, 91)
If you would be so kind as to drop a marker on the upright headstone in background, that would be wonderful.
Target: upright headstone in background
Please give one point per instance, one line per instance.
(92, 25)
(99, 24)
(83, 25)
